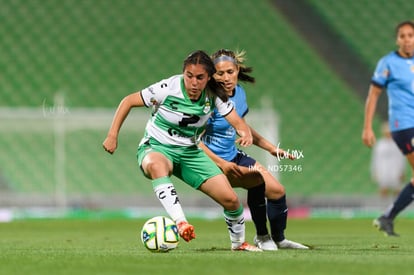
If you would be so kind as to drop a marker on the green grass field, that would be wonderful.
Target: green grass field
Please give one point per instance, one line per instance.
(113, 247)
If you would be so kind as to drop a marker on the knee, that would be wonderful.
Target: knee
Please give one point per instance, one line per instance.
(275, 191)
(231, 203)
(155, 167)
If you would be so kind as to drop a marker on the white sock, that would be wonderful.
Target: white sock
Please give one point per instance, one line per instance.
(236, 227)
(167, 195)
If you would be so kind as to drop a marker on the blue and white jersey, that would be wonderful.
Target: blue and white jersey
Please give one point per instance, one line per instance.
(220, 136)
(396, 74)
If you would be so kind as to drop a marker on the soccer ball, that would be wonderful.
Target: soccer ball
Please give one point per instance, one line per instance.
(160, 234)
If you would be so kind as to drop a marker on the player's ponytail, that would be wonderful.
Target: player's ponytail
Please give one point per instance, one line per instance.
(238, 58)
(201, 57)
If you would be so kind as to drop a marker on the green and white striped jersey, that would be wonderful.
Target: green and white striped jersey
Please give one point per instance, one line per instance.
(176, 119)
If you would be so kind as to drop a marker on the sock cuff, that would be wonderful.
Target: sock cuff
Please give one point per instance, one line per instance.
(234, 213)
(259, 187)
(281, 200)
(160, 181)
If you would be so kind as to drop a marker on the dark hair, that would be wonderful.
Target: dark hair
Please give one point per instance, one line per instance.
(239, 58)
(202, 58)
(407, 22)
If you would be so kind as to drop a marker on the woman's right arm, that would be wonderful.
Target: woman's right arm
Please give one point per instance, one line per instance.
(127, 103)
(368, 135)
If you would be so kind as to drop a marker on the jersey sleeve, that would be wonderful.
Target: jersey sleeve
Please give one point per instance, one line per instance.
(223, 108)
(381, 73)
(242, 102)
(156, 93)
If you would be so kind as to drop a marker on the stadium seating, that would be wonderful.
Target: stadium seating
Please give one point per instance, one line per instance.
(353, 19)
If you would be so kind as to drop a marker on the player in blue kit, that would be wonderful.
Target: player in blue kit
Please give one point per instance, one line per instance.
(242, 170)
(181, 106)
(395, 74)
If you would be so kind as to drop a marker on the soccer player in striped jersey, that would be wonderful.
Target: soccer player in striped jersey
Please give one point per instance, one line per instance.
(241, 169)
(395, 74)
(181, 106)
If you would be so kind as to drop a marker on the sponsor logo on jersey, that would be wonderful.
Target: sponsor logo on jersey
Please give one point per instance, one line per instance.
(207, 107)
(153, 101)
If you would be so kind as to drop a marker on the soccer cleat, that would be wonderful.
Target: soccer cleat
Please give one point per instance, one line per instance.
(186, 231)
(286, 244)
(386, 225)
(247, 247)
(265, 243)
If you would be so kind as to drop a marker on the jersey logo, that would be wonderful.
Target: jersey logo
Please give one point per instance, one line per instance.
(207, 107)
(188, 119)
(172, 104)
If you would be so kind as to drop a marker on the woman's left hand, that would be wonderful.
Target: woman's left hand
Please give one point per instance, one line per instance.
(282, 154)
(245, 139)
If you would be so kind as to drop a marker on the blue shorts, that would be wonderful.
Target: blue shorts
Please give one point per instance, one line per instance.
(243, 159)
(405, 140)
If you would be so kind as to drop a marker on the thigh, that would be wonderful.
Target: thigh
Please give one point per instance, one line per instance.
(154, 161)
(254, 174)
(250, 177)
(274, 189)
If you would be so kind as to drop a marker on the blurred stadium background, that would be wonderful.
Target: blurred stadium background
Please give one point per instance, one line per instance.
(65, 65)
